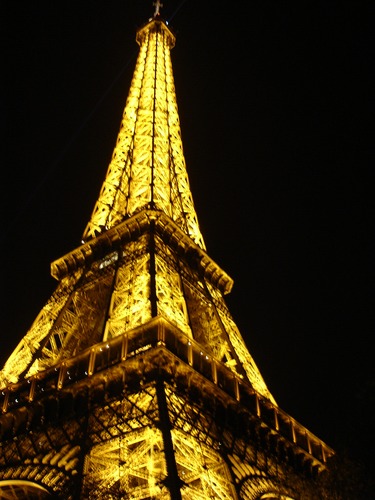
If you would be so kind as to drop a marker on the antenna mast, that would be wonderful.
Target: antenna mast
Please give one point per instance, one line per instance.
(157, 5)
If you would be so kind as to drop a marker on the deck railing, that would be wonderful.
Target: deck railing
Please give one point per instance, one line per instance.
(159, 332)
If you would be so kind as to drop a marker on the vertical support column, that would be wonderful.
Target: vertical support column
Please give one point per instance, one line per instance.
(214, 371)
(32, 388)
(293, 431)
(124, 347)
(161, 332)
(153, 294)
(308, 443)
(173, 480)
(79, 478)
(190, 353)
(61, 378)
(324, 458)
(5, 402)
(236, 388)
(276, 417)
(257, 405)
(92, 361)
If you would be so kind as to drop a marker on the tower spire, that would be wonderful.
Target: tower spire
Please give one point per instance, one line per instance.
(158, 6)
(147, 169)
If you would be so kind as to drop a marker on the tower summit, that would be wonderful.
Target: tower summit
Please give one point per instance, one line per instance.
(134, 380)
(148, 170)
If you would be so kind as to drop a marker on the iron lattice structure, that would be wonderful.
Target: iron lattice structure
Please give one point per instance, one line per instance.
(134, 380)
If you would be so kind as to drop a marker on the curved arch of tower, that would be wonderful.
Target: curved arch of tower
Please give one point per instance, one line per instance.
(134, 380)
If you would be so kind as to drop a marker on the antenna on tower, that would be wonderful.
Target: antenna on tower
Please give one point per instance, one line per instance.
(157, 5)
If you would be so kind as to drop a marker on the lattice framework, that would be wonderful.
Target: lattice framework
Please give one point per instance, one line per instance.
(147, 169)
(147, 275)
(133, 445)
(134, 381)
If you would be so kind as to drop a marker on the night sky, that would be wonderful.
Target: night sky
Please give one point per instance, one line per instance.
(276, 102)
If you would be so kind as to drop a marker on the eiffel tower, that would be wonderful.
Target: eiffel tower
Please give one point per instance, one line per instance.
(134, 380)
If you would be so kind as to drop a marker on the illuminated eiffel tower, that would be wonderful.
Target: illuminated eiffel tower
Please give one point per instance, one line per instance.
(134, 381)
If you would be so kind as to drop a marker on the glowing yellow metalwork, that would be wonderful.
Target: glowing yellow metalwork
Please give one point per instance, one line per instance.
(169, 291)
(136, 463)
(148, 169)
(140, 371)
(22, 360)
(129, 303)
(135, 460)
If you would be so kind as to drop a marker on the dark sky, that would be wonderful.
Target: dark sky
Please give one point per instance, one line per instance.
(276, 102)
